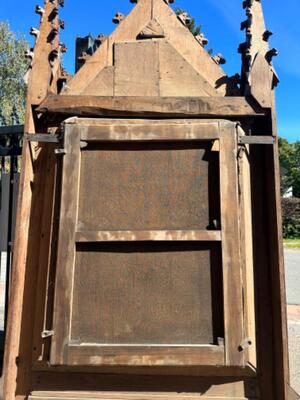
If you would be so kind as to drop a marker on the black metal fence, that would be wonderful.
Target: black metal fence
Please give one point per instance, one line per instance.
(10, 164)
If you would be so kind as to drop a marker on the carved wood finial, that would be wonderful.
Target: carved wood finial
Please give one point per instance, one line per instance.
(184, 18)
(219, 59)
(34, 32)
(118, 18)
(258, 75)
(40, 10)
(100, 39)
(202, 39)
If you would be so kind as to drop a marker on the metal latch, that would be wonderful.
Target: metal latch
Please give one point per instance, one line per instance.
(47, 334)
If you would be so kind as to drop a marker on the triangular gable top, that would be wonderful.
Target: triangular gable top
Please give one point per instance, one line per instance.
(144, 13)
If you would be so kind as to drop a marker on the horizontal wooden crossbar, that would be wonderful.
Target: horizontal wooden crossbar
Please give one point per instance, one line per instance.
(146, 355)
(127, 236)
(96, 106)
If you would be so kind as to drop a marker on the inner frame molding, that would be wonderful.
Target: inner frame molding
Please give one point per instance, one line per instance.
(78, 135)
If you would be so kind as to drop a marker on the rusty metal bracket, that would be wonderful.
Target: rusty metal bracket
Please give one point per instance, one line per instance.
(47, 334)
(270, 140)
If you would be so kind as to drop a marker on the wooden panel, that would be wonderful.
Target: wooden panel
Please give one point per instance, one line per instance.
(261, 78)
(145, 294)
(103, 84)
(103, 57)
(163, 187)
(178, 77)
(140, 75)
(186, 44)
(125, 236)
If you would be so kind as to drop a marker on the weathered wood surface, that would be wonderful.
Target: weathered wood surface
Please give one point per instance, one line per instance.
(147, 356)
(159, 70)
(42, 78)
(117, 236)
(141, 130)
(128, 31)
(65, 255)
(145, 384)
(244, 169)
(186, 268)
(141, 396)
(233, 297)
(151, 107)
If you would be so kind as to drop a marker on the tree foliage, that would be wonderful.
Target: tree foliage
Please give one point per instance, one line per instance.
(289, 154)
(13, 67)
(192, 26)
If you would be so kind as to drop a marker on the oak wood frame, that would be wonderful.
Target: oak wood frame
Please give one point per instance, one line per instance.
(77, 132)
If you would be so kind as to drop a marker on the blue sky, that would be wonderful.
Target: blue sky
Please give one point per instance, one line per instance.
(220, 20)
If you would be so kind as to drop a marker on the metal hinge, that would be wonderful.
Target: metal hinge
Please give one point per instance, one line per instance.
(47, 334)
(256, 140)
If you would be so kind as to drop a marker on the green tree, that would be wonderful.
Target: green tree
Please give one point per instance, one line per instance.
(193, 27)
(289, 154)
(13, 67)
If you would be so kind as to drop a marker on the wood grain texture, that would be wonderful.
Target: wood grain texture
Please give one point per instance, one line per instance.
(103, 84)
(165, 381)
(247, 252)
(146, 356)
(127, 396)
(140, 77)
(66, 250)
(233, 301)
(127, 30)
(185, 43)
(143, 131)
(41, 79)
(144, 293)
(163, 187)
(278, 277)
(177, 77)
(150, 107)
(261, 78)
(150, 271)
(127, 236)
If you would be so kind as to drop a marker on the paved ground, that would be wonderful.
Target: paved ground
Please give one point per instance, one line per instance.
(292, 261)
(294, 345)
(292, 267)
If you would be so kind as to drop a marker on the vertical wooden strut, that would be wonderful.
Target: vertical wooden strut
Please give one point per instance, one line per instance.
(45, 66)
(259, 80)
(258, 75)
(42, 78)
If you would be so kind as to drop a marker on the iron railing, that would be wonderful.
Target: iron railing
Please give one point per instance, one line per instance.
(10, 164)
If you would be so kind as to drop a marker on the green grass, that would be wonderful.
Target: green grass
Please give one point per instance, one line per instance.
(292, 243)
